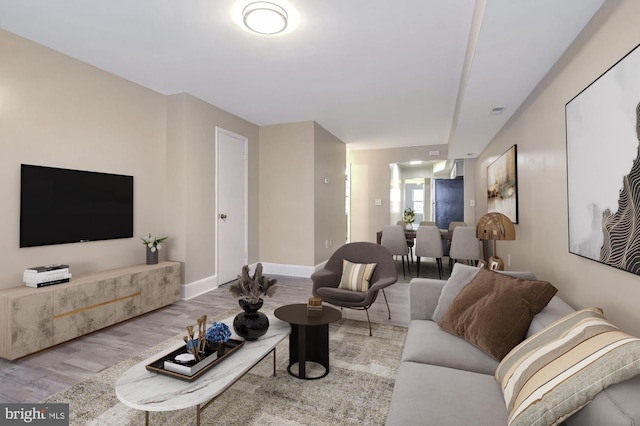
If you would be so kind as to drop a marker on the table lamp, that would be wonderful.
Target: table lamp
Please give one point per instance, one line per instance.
(495, 226)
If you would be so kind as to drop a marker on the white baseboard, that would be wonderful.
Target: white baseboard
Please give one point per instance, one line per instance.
(196, 288)
(289, 270)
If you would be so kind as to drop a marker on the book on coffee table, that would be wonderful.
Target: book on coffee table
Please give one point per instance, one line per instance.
(189, 368)
(190, 371)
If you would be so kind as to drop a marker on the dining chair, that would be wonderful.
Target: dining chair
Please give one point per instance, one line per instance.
(464, 246)
(410, 242)
(429, 244)
(428, 223)
(395, 241)
(452, 226)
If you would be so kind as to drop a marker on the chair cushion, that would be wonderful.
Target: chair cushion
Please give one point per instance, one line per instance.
(356, 276)
(562, 368)
(333, 295)
(495, 310)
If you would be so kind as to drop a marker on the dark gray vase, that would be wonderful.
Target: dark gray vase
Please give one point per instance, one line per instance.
(152, 256)
(250, 324)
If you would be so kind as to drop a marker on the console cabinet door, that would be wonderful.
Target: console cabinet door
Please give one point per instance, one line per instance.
(164, 284)
(128, 297)
(79, 310)
(31, 326)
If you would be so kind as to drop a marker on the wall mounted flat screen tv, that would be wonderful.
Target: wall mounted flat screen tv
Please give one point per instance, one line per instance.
(60, 206)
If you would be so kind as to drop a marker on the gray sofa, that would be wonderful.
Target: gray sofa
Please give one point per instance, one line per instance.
(443, 380)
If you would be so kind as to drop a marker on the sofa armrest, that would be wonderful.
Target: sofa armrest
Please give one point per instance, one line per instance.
(423, 297)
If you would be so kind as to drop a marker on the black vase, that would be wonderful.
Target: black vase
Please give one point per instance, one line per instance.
(250, 324)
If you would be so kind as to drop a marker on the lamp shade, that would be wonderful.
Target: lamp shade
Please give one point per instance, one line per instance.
(495, 226)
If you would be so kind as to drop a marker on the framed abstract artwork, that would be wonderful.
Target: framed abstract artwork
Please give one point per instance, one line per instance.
(603, 169)
(502, 184)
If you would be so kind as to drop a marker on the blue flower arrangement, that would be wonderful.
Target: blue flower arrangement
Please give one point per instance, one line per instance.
(218, 332)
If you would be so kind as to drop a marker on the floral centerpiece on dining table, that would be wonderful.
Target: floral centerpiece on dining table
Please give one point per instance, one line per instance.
(409, 215)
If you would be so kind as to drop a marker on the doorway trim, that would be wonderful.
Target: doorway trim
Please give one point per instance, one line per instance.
(245, 141)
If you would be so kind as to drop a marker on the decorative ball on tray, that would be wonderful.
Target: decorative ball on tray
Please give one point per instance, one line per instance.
(217, 335)
(207, 340)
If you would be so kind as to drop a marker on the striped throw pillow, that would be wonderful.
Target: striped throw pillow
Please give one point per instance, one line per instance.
(560, 369)
(356, 276)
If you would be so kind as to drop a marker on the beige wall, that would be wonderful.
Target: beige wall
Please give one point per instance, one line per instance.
(191, 171)
(57, 111)
(539, 130)
(329, 203)
(286, 193)
(298, 211)
(60, 112)
(370, 179)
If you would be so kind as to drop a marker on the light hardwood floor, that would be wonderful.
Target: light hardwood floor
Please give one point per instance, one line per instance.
(35, 377)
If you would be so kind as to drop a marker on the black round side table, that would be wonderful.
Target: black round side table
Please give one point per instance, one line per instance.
(309, 338)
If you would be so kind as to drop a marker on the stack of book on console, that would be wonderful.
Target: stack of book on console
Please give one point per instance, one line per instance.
(41, 276)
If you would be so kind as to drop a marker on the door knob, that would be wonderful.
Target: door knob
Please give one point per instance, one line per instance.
(223, 216)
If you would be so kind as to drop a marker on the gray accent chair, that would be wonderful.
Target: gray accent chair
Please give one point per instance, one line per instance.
(395, 240)
(429, 244)
(327, 279)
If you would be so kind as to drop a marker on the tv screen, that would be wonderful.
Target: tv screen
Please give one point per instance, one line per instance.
(60, 206)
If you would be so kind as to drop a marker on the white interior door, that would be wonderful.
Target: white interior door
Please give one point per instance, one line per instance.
(231, 204)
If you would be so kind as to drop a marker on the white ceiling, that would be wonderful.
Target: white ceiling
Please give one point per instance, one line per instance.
(375, 73)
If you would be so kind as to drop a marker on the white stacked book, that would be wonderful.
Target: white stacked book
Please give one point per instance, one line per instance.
(41, 276)
(189, 370)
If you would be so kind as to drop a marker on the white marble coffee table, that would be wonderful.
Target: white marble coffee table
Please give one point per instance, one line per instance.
(144, 390)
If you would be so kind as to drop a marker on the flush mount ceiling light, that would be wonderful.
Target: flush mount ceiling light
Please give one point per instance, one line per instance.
(264, 17)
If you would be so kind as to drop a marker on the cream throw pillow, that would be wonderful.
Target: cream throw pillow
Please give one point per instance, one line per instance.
(356, 276)
(560, 369)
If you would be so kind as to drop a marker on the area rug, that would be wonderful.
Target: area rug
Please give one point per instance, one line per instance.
(356, 391)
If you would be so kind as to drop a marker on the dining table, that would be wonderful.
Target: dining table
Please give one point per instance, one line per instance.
(410, 234)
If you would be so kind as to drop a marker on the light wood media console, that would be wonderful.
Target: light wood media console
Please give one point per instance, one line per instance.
(32, 319)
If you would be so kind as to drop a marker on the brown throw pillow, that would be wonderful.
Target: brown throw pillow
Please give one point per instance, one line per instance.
(495, 310)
